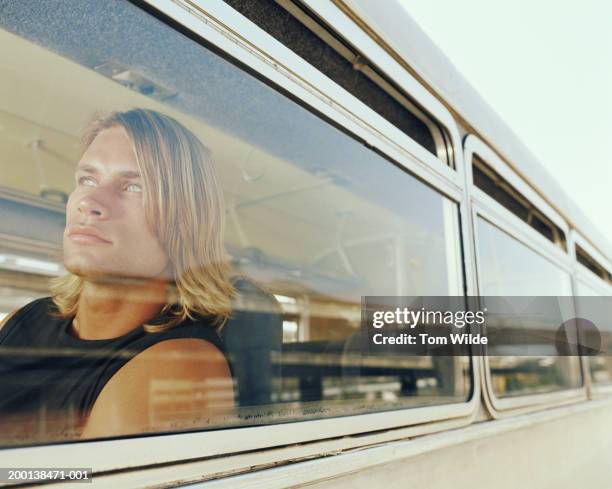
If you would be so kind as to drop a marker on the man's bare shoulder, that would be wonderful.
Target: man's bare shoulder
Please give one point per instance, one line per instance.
(183, 359)
(189, 368)
(179, 356)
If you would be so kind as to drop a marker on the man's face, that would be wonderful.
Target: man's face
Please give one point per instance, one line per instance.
(106, 230)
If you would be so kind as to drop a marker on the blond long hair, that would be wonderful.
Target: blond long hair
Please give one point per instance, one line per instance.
(183, 204)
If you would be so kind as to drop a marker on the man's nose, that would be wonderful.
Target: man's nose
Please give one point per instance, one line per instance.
(93, 205)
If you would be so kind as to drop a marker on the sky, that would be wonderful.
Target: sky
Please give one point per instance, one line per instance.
(545, 66)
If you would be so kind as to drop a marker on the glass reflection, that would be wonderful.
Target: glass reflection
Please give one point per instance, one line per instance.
(509, 268)
(313, 221)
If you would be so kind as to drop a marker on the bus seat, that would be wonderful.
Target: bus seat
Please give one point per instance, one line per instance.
(253, 336)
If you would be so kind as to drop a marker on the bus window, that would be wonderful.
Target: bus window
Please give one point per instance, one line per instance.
(594, 306)
(313, 220)
(509, 268)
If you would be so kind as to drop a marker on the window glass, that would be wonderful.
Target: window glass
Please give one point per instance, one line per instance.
(508, 268)
(313, 221)
(594, 306)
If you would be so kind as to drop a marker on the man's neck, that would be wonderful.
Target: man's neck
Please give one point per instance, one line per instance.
(109, 310)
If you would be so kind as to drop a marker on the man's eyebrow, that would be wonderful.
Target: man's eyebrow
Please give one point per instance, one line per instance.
(86, 169)
(130, 174)
(93, 169)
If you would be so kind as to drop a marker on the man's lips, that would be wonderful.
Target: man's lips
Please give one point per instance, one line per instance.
(87, 235)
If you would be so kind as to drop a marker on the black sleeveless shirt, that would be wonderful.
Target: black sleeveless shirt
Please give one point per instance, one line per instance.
(44, 367)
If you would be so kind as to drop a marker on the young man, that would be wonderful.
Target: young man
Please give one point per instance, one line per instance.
(128, 342)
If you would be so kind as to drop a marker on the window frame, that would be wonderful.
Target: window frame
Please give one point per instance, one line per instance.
(385, 64)
(484, 206)
(474, 145)
(218, 25)
(271, 60)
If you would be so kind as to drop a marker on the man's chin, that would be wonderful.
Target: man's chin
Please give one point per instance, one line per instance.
(106, 275)
(90, 271)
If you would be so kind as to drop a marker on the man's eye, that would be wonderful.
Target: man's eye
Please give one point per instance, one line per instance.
(133, 187)
(86, 181)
